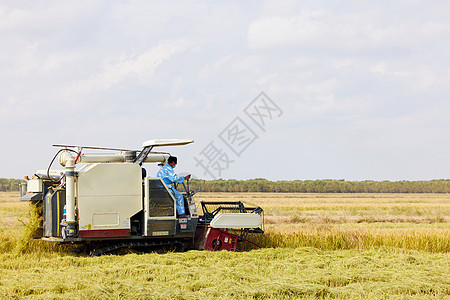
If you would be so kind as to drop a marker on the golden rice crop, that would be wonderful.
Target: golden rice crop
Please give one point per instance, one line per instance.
(345, 246)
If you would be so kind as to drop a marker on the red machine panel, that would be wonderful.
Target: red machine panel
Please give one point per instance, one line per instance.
(215, 239)
(104, 233)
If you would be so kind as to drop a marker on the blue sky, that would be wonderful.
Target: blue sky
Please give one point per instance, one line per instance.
(363, 87)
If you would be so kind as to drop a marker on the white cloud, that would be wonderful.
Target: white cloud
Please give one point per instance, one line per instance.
(351, 30)
(381, 69)
(139, 67)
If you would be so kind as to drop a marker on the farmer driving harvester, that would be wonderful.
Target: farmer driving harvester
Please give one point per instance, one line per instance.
(169, 177)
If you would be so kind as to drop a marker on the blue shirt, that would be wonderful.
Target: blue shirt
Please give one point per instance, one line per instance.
(168, 175)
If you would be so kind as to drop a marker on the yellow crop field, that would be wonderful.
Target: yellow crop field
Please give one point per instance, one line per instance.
(345, 246)
(347, 221)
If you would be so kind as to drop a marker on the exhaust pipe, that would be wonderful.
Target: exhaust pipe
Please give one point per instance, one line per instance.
(71, 228)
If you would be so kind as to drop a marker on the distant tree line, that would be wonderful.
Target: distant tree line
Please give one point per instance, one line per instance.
(9, 184)
(321, 186)
(297, 186)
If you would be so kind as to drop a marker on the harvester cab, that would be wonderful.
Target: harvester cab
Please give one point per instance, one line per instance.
(108, 203)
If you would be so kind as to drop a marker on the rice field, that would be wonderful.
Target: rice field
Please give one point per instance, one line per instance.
(345, 246)
(349, 221)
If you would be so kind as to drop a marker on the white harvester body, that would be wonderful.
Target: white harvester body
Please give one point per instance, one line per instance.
(108, 196)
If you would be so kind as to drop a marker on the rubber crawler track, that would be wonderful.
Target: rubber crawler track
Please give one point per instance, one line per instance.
(143, 244)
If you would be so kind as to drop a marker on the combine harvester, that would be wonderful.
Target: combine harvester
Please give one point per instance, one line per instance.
(110, 203)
